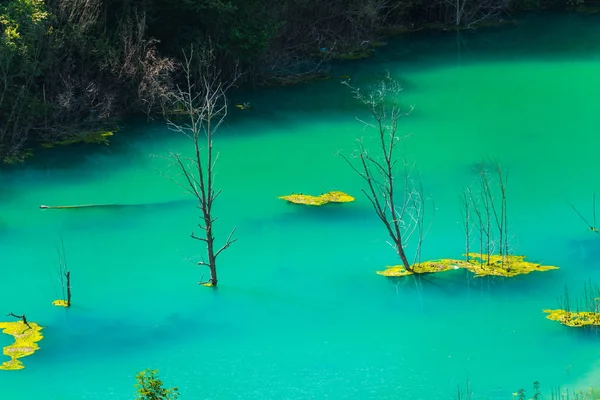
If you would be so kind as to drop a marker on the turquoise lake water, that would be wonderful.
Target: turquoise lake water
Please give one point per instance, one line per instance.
(300, 312)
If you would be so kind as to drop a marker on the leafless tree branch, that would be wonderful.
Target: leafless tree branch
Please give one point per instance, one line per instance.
(200, 107)
(402, 212)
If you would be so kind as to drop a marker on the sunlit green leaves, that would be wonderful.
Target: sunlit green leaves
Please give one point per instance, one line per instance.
(150, 387)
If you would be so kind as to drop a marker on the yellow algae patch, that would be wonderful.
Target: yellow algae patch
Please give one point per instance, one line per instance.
(498, 265)
(506, 266)
(337, 197)
(305, 199)
(330, 197)
(24, 345)
(427, 267)
(60, 303)
(95, 137)
(574, 319)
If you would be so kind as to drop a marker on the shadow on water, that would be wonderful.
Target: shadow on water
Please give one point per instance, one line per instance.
(299, 215)
(586, 250)
(327, 212)
(78, 335)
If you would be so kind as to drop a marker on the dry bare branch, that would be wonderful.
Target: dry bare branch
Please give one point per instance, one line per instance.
(201, 105)
(400, 209)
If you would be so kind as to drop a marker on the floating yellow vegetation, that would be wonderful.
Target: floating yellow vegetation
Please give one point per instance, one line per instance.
(26, 337)
(305, 199)
(499, 265)
(60, 303)
(506, 266)
(337, 197)
(97, 137)
(331, 197)
(427, 267)
(574, 319)
(16, 158)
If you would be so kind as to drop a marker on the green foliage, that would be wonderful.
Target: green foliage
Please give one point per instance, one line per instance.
(150, 387)
(241, 29)
(20, 20)
(22, 25)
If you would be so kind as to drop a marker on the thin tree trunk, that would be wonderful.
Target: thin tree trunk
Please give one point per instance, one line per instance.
(205, 103)
(68, 276)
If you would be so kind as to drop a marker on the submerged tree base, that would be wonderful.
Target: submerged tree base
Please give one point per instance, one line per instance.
(331, 197)
(427, 267)
(61, 303)
(92, 137)
(26, 338)
(479, 264)
(574, 319)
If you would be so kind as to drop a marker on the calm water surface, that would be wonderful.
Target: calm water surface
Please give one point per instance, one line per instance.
(300, 313)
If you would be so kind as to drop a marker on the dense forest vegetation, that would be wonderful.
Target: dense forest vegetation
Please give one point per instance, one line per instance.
(68, 68)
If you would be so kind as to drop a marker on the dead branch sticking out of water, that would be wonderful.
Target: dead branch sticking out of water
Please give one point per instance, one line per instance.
(64, 276)
(593, 225)
(578, 312)
(21, 317)
(488, 213)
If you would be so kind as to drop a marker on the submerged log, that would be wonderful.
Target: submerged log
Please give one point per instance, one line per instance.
(78, 206)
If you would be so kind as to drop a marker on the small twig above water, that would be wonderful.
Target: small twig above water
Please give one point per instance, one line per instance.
(592, 227)
(21, 317)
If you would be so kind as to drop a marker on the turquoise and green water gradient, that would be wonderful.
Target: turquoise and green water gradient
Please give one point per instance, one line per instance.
(300, 312)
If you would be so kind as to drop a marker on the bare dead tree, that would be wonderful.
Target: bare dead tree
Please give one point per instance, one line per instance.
(140, 65)
(469, 13)
(401, 210)
(64, 275)
(502, 222)
(417, 212)
(466, 213)
(21, 317)
(486, 197)
(489, 214)
(203, 104)
(478, 221)
(592, 226)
